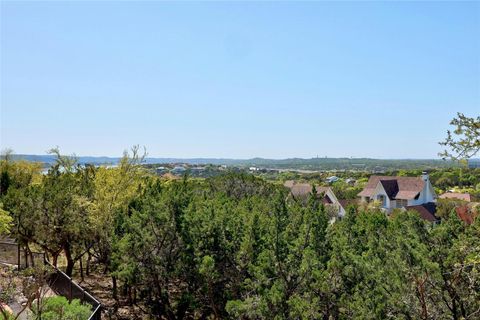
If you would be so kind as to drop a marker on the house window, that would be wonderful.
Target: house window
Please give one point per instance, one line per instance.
(382, 199)
(400, 203)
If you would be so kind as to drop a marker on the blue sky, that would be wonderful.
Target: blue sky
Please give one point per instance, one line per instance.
(237, 80)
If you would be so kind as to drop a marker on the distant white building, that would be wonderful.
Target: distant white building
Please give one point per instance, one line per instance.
(178, 170)
(332, 179)
(350, 181)
(161, 170)
(410, 193)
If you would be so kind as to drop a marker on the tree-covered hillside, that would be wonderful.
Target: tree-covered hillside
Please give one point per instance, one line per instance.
(360, 164)
(237, 247)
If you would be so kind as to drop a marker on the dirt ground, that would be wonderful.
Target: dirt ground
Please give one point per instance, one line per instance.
(100, 286)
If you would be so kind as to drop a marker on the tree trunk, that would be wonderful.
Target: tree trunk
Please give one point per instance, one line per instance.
(129, 295)
(114, 288)
(30, 254)
(70, 261)
(81, 269)
(54, 259)
(89, 257)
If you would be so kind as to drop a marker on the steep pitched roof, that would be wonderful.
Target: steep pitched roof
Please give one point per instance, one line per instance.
(304, 189)
(426, 211)
(301, 189)
(391, 187)
(396, 187)
(456, 195)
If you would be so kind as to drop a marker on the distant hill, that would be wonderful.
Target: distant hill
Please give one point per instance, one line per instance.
(292, 163)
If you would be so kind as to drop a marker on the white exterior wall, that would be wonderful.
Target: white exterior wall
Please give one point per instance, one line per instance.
(341, 212)
(419, 201)
(430, 195)
(428, 191)
(426, 195)
(333, 198)
(379, 190)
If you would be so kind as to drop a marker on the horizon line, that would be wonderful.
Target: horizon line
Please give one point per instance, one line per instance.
(228, 158)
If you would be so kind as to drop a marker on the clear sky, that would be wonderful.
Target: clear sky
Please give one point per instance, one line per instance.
(237, 80)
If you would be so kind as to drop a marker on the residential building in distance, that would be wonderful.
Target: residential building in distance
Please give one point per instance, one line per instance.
(161, 170)
(456, 196)
(301, 191)
(350, 181)
(332, 179)
(408, 193)
(178, 170)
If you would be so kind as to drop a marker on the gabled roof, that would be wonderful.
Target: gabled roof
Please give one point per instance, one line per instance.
(390, 187)
(301, 189)
(396, 187)
(304, 189)
(456, 195)
(426, 211)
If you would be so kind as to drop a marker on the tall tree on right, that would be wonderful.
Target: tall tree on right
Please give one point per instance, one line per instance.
(464, 141)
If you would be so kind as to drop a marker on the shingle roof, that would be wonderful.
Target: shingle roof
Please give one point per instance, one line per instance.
(456, 195)
(303, 189)
(396, 187)
(426, 211)
(406, 195)
(391, 187)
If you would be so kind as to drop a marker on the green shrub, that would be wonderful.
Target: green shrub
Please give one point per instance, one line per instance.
(59, 308)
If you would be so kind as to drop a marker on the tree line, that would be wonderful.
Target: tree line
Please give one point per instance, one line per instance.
(236, 246)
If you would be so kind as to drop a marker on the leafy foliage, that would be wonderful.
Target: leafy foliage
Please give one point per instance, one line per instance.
(236, 246)
(59, 308)
(5, 221)
(464, 143)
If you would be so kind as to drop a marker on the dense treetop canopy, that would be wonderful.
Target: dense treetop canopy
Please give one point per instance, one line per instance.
(236, 246)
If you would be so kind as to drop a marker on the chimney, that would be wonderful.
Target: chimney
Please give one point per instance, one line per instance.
(425, 176)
